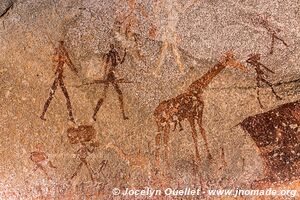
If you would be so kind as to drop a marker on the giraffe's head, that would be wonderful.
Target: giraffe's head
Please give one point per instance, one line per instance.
(228, 60)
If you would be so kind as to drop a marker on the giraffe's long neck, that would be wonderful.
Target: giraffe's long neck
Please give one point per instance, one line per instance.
(205, 80)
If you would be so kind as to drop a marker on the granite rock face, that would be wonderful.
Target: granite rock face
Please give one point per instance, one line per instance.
(167, 46)
(5, 6)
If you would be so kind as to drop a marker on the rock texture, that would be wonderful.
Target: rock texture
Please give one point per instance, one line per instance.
(169, 45)
(5, 6)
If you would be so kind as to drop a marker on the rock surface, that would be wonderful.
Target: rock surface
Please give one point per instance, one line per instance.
(160, 38)
(5, 6)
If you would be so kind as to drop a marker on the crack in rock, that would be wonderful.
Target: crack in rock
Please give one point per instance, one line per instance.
(5, 6)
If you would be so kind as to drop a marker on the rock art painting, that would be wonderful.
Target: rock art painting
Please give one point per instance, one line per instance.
(150, 99)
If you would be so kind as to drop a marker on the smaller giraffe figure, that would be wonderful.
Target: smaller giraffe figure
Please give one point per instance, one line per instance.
(61, 57)
(254, 60)
(84, 135)
(263, 21)
(41, 160)
(114, 59)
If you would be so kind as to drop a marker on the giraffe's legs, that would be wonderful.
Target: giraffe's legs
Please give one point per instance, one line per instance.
(177, 121)
(162, 56)
(178, 58)
(180, 126)
(195, 137)
(196, 161)
(175, 125)
(202, 130)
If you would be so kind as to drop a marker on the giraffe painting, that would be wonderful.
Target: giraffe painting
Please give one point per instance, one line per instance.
(188, 105)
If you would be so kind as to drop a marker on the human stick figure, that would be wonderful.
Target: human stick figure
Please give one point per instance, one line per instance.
(85, 136)
(261, 75)
(272, 31)
(173, 9)
(82, 153)
(112, 61)
(61, 57)
(127, 22)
